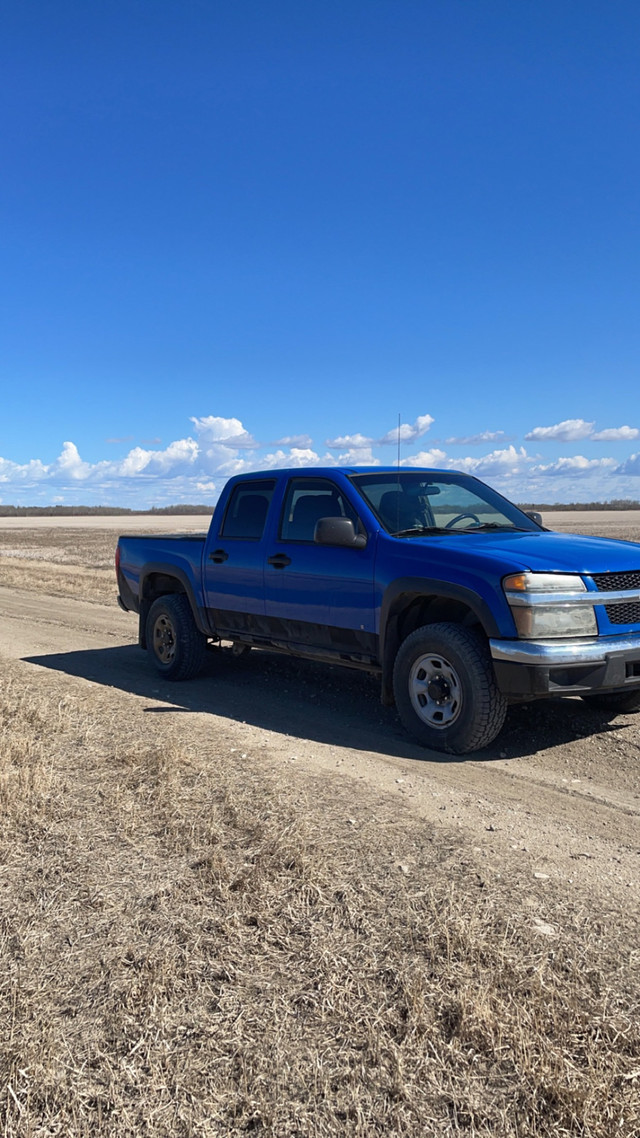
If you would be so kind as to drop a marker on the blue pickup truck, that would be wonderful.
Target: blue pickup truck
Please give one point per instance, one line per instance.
(459, 601)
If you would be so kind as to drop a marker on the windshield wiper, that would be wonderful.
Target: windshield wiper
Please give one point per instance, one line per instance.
(493, 526)
(417, 531)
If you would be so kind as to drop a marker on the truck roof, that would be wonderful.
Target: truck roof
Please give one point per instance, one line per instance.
(324, 471)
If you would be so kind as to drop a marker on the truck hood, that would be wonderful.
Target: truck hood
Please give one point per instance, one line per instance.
(541, 552)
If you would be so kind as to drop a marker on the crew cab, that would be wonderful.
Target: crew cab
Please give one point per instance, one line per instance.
(458, 600)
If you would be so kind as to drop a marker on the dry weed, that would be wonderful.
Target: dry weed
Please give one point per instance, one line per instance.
(96, 586)
(60, 562)
(190, 949)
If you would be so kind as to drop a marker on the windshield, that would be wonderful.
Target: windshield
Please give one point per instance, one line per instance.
(413, 503)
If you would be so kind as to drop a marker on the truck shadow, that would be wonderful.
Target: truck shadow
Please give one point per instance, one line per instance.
(316, 702)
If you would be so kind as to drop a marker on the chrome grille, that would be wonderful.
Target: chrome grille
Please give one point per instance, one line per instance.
(618, 582)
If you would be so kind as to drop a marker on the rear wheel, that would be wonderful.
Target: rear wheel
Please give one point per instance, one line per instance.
(176, 645)
(616, 701)
(445, 689)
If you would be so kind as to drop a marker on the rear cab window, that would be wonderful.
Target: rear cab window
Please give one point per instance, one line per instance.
(246, 513)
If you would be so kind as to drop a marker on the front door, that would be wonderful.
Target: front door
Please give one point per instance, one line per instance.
(319, 595)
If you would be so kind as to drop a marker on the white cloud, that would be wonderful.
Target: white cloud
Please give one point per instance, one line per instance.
(356, 440)
(69, 469)
(630, 466)
(477, 440)
(296, 457)
(570, 430)
(230, 466)
(303, 441)
(429, 458)
(616, 434)
(304, 456)
(194, 468)
(29, 472)
(214, 429)
(408, 432)
(69, 463)
(503, 462)
(358, 456)
(136, 461)
(577, 464)
(181, 453)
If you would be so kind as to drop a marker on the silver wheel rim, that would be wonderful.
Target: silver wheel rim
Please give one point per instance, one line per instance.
(435, 691)
(164, 640)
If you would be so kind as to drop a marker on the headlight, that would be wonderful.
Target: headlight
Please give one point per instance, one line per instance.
(564, 614)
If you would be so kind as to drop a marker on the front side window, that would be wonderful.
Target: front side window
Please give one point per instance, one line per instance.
(246, 512)
(409, 503)
(308, 500)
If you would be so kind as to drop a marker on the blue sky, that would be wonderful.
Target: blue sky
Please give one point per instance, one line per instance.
(241, 234)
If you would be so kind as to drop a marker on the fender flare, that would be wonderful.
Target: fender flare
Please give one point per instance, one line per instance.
(415, 587)
(165, 570)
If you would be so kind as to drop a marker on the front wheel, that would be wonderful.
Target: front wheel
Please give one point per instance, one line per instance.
(614, 701)
(176, 645)
(445, 689)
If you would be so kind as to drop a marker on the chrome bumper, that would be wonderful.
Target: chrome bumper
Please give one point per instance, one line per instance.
(551, 652)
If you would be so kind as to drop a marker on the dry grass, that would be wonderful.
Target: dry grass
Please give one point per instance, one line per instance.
(191, 946)
(55, 561)
(611, 527)
(59, 580)
(93, 549)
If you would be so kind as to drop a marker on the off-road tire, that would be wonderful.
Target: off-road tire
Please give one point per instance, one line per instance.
(614, 701)
(459, 658)
(176, 646)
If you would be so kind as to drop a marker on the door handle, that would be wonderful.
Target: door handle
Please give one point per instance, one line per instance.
(219, 555)
(279, 560)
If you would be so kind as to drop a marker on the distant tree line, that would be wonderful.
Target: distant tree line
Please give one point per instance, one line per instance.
(614, 504)
(187, 509)
(96, 511)
(176, 510)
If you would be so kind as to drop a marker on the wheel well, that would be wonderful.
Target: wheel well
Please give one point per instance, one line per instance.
(409, 612)
(159, 584)
(431, 610)
(155, 585)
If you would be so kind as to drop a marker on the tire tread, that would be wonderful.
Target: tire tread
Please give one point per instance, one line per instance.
(490, 706)
(191, 645)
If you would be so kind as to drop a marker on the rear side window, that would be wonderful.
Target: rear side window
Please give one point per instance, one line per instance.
(247, 510)
(308, 500)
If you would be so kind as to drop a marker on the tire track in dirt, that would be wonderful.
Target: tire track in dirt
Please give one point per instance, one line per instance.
(517, 800)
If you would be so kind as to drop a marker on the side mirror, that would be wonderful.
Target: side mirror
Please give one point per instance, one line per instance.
(338, 531)
(535, 516)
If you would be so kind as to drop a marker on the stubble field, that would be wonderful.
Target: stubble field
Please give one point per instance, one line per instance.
(249, 904)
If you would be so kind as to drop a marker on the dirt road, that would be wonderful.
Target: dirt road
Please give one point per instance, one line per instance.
(556, 798)
(251, 902)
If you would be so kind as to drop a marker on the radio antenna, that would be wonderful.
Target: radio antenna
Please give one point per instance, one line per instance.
(398, 481)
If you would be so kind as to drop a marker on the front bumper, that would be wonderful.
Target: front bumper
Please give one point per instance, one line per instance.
(528, 668)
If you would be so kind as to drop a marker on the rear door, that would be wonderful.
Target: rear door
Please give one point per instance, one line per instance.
(234, 560)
